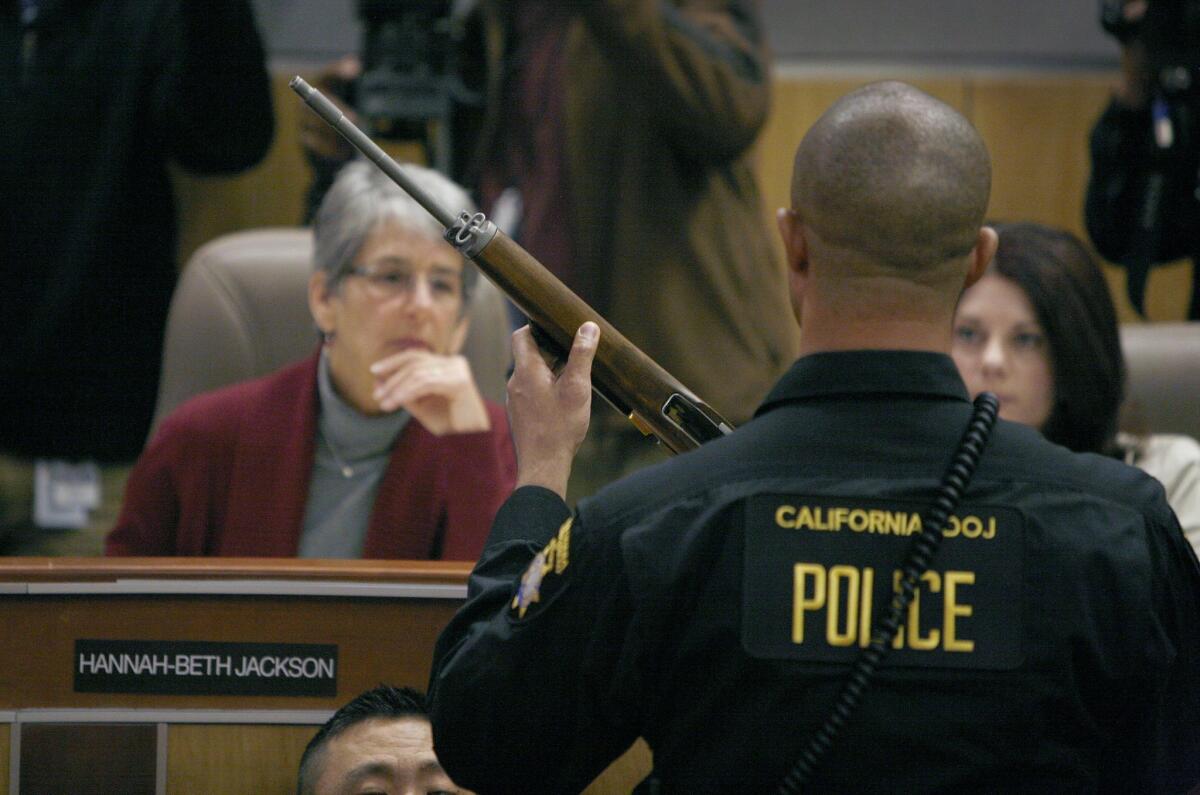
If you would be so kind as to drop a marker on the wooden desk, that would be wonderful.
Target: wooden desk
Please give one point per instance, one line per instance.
(383, 617)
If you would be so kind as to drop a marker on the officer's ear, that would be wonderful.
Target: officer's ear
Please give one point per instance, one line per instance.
(795, 250)
(795, 247)
(981, 255)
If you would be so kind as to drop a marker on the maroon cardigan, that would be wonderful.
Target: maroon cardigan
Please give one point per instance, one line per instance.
(228, 474)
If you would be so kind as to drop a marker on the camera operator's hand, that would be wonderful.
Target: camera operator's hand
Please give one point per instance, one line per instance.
(1134, 10)
(318, 138)
(1134, 89)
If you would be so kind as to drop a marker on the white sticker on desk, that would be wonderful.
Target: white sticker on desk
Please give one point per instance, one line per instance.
(65, 493)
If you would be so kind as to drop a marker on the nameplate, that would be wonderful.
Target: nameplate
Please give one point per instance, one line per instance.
(205, 668)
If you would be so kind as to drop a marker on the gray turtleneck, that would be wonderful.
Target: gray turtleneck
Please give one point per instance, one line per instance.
(352, 454)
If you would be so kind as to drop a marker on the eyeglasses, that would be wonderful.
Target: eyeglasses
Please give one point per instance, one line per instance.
(444, 287)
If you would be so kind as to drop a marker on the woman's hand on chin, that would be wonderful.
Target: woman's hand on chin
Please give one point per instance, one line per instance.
(438, 391)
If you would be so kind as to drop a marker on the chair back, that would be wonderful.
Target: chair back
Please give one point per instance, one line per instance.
(1163, 360)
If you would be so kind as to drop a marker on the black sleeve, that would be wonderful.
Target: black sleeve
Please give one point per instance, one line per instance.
(701, 65)
(523, 683)
(1156, 743)
(213, 97)
(1178, 727)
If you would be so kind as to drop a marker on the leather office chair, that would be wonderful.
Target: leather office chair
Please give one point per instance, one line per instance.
(1164, 377)
(241, 310)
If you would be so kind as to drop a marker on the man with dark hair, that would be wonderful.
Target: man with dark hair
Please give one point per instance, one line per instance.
(380, 740)
(717, 604)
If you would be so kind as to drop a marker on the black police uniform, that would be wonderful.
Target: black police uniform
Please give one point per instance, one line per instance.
(712, 604)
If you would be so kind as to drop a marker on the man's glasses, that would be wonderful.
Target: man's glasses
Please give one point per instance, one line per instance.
(444, 287)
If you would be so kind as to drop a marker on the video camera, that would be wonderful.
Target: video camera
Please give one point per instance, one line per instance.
(1143, 197)
(410, 80)
(1170, 33)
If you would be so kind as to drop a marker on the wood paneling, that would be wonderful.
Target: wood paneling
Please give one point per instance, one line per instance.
(88, 757)
(1036, 130)
(235, 760)
(379, 640)
(263, 760)
(1167, 292)
(5, 750)
(439, 572)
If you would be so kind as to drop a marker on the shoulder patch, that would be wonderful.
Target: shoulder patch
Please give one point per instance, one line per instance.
(819, 570)
(552, 560)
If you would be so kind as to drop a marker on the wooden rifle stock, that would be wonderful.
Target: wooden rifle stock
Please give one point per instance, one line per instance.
(622, 373)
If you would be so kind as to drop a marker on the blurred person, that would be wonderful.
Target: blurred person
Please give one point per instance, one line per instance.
(721, 605)
(97, 97)
(615, 143)
(379, 743)
(1143, 196)
(1040, 331)
(379, 445)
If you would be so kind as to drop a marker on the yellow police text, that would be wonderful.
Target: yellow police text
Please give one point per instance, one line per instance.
(875, 521)
(843, 596)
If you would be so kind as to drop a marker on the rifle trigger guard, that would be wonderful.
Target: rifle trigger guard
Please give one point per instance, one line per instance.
(470, 234)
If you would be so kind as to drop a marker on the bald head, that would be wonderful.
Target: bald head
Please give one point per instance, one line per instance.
(893, 179)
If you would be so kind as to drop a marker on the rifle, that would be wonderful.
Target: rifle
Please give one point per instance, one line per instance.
(653, 400)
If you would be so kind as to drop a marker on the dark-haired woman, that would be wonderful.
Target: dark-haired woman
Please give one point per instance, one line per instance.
(1040, 331)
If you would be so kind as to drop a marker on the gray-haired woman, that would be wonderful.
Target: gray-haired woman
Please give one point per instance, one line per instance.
(379, 445)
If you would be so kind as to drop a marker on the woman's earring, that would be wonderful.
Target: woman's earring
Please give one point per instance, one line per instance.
(328, 336)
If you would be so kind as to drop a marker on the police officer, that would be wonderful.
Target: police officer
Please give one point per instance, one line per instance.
(713, 604)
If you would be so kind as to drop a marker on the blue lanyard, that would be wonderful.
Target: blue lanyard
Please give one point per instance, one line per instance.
(1164, 132)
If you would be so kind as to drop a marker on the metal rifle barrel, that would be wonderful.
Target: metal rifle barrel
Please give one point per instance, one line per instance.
(337, 120)
(625, 376)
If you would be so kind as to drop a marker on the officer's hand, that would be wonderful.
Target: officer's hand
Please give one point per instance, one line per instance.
(549, 412)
